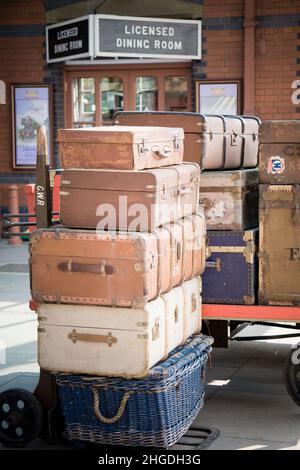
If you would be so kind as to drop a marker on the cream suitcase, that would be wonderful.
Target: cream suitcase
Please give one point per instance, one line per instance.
(192, 306)
(108, 341)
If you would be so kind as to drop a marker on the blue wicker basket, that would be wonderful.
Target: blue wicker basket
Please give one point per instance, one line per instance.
(154, 411)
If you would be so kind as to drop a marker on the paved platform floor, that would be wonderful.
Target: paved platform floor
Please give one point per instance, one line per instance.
(246, 398)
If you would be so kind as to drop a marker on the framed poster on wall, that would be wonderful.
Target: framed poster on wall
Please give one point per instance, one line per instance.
(218, 97)
(31, 108)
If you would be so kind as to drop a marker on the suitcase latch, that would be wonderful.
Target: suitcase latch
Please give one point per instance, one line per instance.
(233, 139)
(155, 330)
(176, 142)
(176, 314)
(194, 302)
(142, 149)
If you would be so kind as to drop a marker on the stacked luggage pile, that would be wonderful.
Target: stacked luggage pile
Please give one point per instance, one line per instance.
(226, 147)
(279, 213)
(119, 286)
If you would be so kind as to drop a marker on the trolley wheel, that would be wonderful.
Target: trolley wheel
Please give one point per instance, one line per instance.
(291, 374)
(21, 417)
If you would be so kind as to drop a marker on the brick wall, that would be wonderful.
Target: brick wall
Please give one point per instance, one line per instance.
(277, 51)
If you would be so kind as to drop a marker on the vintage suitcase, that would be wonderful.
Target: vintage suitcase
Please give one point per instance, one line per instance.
(155, 411)
(94, 339)
(128, 200)
(213, 141)
(114, 268)
(279, 245)
(230, 199)
(124, 148)
(230, 276)
(279, 152)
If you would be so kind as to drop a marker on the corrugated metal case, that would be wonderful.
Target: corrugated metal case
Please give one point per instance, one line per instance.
(279, 245)
(230, 199)
(213, 141)
(231, 273)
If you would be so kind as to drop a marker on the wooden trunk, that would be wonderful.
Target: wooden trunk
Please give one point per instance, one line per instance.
(128, 200)
(124, 148)
(231, 273)
(279, 154)
(230, 199)
(279, 245)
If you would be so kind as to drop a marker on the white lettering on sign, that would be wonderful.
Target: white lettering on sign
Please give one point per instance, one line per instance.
(75, 45)
(148, 30)
(40, 196)
(133, 43)
(64, 47)
(66, 33)
(171, 45)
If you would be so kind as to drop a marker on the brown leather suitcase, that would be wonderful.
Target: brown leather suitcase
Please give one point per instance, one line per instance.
(213, 141)
(279, 245)
(279, 152)
(122, 269)
(120, 147)
(128, 200)
(230, 199)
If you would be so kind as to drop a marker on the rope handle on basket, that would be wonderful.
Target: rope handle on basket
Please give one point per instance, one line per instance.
(119, 413)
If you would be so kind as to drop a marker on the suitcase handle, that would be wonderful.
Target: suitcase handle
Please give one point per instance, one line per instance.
(74, 267)
(158, 153)
(119, 413)
(214, 264)
(109, 339)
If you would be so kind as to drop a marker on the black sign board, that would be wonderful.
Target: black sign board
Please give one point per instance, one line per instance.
(121, 36)
(70, 40)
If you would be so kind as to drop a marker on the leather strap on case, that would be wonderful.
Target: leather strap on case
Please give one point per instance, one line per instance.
(101, 268)
(108, 339)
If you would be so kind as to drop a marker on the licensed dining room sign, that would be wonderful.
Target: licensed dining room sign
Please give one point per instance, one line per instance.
(123, 36)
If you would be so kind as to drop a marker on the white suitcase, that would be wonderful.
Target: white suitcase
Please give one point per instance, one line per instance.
(120, 342)
(192, 306)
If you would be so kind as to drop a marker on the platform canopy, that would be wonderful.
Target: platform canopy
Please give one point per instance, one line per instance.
(145, 8)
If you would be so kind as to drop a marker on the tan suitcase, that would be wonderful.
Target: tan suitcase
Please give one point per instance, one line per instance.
(120, 147)
(279, 152)
(230, 199)
(128, 200)
(116, 341)
(279, 245)
(108, 268)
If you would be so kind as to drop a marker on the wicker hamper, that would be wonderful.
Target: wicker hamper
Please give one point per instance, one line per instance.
(155, 411)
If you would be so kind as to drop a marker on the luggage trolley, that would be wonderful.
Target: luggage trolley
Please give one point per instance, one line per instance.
(29, 415)
(218, 316)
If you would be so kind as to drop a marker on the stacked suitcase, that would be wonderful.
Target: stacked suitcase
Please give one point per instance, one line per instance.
(279, 213)
(226, 147)
(118, 283)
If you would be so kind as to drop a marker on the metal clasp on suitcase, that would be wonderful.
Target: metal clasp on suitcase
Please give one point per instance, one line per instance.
(176, 142)
(233, 138)
(109, 339)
